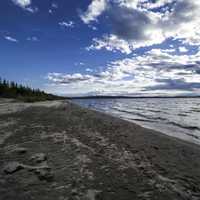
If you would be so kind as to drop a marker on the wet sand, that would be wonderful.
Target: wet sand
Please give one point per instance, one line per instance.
(57, 150)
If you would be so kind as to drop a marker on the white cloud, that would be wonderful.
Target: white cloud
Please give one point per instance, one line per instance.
(33, 39)
(94, 28)
(31, 9)
(68, 78)
(135, 22)
(89, 70)
(96, 8)
(169, 50)
(69, 24)
(11, 39)
(26, 5)
(111, 43)
(53, 8)
(183, 49)
(54, 5)
(79, 64)
(22, 3)
(155, 72)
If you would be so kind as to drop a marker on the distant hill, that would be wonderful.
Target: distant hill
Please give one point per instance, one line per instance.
(10, 89)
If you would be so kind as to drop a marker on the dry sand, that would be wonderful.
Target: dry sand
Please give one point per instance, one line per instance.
(59, 151)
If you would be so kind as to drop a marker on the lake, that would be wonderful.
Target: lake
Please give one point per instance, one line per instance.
(177, 117)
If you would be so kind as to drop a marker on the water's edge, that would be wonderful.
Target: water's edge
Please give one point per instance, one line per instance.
(176, 117)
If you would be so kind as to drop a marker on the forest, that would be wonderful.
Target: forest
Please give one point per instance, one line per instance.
(10, 89)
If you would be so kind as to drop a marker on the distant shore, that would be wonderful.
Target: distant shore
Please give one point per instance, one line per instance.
(58, 150)
(129, 97)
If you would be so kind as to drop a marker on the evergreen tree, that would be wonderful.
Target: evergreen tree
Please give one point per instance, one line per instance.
(25, 93)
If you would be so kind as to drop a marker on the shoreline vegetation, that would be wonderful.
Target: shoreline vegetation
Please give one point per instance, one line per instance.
(66, 152)
(10, 89)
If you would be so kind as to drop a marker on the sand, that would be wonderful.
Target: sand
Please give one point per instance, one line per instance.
(57, 150)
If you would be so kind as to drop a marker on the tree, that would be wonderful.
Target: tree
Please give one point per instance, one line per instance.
(10, 89)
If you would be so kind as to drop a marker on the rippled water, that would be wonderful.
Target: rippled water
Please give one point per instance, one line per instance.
(177, 117)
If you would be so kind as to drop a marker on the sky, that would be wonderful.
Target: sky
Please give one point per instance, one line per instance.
(102, 47)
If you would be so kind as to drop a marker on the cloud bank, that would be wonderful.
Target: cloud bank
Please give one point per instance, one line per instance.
(141, 23)
(155, 72)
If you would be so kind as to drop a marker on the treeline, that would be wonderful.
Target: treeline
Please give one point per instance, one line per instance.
(10, 89)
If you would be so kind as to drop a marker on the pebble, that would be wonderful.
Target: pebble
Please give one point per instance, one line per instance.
(12, 167)
(74, 191)
(20, 150)
(44, 174)
(39, 157)
(91, 194)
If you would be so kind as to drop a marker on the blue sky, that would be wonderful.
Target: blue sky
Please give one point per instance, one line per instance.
(109, 47)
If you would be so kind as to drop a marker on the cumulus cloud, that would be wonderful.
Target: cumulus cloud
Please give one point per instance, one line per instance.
(111, 43)
(129, 24)
(26, 5)
(144, 23)
(11, 39)
(154, 72)
(68, 78)
(96, 8)
(22, 3)
(177, 84)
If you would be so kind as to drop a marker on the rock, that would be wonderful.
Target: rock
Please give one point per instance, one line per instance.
(12, 167)
(92, 194)
(39, 157)
(20, 150)
(74, 192)
(44, 174)
(155, 147)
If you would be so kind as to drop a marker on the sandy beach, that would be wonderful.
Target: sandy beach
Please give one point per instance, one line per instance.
(59, 151)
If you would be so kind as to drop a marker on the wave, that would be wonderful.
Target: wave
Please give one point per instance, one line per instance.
(182, 114)
(185, 126)
(153, 119)
(141, 120)
(146, 117)
(194, 110)
(159, 115)
(194, 136)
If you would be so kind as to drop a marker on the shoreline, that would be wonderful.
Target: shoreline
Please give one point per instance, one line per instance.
(91, 155)
(148, 129)
(166, 126)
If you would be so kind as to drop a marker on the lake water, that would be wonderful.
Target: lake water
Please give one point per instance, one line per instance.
(177, 117)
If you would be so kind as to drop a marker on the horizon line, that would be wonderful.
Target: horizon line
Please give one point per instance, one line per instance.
(129, 97)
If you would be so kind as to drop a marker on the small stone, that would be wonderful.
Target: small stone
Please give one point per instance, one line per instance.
(44, 174)
(12, 167)
(74, 192)
(109, 189)
(92, 194)
(155, 147)
(39, 157)
(20, 150)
